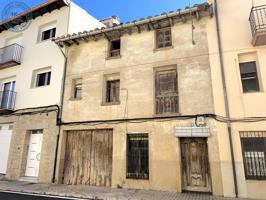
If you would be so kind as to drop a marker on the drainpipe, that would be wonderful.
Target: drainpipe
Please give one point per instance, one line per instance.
(59, 119)
(227, 110)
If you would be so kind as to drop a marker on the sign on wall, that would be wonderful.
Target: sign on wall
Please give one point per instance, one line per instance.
(192, 131)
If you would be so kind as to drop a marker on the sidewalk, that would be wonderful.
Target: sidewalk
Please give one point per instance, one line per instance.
(100, 193)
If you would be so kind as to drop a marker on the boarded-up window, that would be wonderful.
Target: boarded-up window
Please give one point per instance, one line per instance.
(166, 94)
(254, 154)
(137, 156)
(163, 38)
(112, 91)
(249, 77)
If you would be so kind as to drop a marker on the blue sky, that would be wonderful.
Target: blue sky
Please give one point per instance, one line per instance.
(127, 10)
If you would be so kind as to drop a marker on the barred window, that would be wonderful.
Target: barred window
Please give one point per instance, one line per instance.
(137, 156)
(254, 154)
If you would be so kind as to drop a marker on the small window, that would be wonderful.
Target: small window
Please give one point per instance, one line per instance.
(115, 48)
(43, 79)
(137, 156)
(249, 77)
(48, 34)
(254, 154)
(112, 91)
(77, 91)
(163, 38)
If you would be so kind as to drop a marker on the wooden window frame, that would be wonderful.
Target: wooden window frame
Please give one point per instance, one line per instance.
(164, 42)
(175, 94)
(253, 155)
(116, 97)
(114, 53)
(136, 173)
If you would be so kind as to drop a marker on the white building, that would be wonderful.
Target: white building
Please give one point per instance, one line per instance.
(31, 78)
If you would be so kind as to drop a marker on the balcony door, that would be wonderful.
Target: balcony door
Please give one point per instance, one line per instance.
(7, 98)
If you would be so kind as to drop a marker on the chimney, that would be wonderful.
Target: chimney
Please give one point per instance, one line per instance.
(111, 21)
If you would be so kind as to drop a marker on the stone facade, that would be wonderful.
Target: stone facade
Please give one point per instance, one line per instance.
(136, 70)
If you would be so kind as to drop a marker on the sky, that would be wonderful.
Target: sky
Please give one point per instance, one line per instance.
(127, 10)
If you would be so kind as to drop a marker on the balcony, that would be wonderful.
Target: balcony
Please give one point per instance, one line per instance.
(166, 104)
(7, 101)
(257, 21)
(10, 56)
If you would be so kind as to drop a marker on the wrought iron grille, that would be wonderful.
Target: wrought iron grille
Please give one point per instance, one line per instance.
(137, 156)
(257, 19)
(254, 154)
(7, 100)
(11, 53)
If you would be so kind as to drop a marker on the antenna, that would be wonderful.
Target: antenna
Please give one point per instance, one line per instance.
(192, 25)
(252, 3)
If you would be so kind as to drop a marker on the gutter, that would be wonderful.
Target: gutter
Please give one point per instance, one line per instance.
(227, 110)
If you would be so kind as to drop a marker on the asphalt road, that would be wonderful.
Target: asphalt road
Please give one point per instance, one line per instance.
(11, 196)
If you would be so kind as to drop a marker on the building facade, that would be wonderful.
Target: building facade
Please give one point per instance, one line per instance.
(241, 26)
(136, 90)
(31, 74)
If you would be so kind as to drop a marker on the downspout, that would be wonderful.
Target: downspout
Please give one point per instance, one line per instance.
(227, 110)
(59, 120)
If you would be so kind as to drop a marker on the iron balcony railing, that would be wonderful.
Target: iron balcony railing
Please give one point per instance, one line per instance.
(7, 100)
(10, 55)
(257, 21)
(166, 104)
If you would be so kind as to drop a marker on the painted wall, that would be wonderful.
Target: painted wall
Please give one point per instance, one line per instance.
(236, 42)
(41, 54)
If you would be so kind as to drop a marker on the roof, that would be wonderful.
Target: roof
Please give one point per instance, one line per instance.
(39, 10)
(151, 22)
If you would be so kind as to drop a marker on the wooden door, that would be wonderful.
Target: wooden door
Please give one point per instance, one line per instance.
(88, 158)
(195, 165)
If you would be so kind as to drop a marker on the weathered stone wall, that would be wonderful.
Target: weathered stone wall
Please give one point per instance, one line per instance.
(136, 67)
(139, 58)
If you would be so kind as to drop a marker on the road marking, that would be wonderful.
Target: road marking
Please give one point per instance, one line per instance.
(43, 195)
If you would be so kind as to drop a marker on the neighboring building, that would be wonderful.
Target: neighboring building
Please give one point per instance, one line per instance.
(132, 94)
(243, 39)
(31, 73)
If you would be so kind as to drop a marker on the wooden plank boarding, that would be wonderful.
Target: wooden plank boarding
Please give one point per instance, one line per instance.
(88, 158)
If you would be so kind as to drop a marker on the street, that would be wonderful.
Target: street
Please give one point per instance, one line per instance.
(16, 196)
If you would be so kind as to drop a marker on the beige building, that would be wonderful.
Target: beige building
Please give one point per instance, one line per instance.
(31, 73)
(241, 26)
(132, 95)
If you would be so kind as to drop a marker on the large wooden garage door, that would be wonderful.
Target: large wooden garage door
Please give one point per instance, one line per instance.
(88, 158)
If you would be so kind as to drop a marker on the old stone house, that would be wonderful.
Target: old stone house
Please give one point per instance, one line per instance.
(138, 106)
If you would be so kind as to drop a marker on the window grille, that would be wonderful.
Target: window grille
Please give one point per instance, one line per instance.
(254, 154)
(137, 156)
